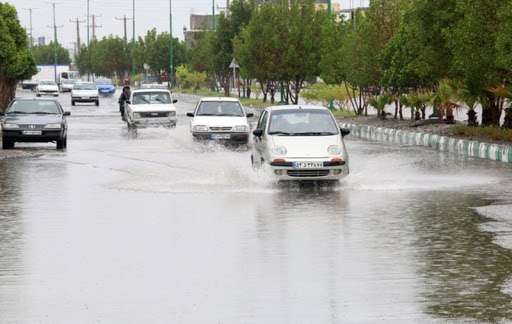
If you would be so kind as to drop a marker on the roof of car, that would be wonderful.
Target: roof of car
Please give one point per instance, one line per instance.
(228, 99)
(295, 107)
(150, 90)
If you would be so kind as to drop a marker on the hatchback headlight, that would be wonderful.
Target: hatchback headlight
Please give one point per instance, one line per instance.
(200, 128)
(10, 126)
(137, 115)
(241, 129)
(53, 126)
(172, 114)
(279, 150)
(334, 150)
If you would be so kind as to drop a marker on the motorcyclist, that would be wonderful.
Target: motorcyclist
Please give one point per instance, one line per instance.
(125, 96)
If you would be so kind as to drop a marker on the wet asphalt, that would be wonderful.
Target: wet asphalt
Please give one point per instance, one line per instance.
(152, 227)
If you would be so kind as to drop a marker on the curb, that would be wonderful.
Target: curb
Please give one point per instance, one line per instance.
(482, 150)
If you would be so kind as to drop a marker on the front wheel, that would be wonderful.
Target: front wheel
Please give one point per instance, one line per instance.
(7, 144)
(97, 103)
(62, 143)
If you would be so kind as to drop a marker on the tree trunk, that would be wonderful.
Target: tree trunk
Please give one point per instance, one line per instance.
(263, 90)
(423, 112)
(7, 92)
(400, 110)
(472, 118)
(508, 118)
(491, 112)
(396, 110)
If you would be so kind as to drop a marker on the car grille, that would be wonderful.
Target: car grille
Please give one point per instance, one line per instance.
(32, 127)
(221, 129)
(307, 173)
(154, 114)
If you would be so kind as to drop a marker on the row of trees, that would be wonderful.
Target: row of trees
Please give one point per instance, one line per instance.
(45, 54)
(413, 53)
(112, 56)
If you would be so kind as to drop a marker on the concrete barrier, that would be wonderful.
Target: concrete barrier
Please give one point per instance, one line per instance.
(495, 152)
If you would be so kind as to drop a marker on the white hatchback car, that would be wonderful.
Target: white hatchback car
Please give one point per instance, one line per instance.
(221, 119)
(85, 92)
(300, 143)
(151, 107)
(47, 87)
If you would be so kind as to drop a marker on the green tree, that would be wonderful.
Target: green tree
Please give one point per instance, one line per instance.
(44, 54)
(16, 60)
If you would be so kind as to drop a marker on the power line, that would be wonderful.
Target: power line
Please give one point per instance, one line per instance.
(94, 25)
(124, 19)
(55, 41)
(31, 28)
(77, 21)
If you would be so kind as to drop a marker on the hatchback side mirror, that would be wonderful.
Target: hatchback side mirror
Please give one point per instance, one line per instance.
(175, 101)
(249, 115)
(258, 132)
(67, 113)
(190, 114)
(344, 132)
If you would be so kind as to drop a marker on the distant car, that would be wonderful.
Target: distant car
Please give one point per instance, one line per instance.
(85, 92)
(221, 119)
(300, 143)
(66, 85)
(34, 120)
(151, 107)
(106, 87)
(47, 87)
(29, 85)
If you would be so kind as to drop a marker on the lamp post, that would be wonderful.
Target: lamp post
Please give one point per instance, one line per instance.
(171, 53)
(329, 12)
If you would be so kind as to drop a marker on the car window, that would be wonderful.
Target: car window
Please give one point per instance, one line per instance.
(302, 122)
(85, 87)
(151, 98)
(35, 107)
(220, 108)
(262, 123)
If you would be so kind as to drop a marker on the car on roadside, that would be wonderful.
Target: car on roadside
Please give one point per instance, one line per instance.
(106, 87)
(47, 87)
(66, 85)
(300, 143)
(85, 92)
(34, 121)
(220, 119)
(151, 107)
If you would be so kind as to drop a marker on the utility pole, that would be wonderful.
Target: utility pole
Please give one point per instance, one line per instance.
(133, 36)
(77, 21)
(88, 24)
(227, 7)
(213, 14)
(171, 50)
(55, 42)
(124, 19)
(30, 28)
(94, 26)
(329, 7)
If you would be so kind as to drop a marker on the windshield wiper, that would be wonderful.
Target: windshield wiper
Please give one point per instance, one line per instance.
(229, 115)
(18, 112)
(44, 113)
(206, 115)
(281, 133)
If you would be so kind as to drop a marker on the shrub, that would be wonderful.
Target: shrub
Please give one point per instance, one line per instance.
(493, 133)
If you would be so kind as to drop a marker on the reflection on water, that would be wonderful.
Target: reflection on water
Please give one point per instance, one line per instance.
(464, 270)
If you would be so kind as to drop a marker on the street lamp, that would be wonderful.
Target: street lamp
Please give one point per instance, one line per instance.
(171, 54)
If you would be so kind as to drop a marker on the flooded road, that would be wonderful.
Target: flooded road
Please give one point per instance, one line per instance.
(151, 227)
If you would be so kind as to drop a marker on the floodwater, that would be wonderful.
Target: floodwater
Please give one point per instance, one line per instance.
(151, 227)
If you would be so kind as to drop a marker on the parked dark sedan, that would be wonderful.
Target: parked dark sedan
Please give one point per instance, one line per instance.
(34, 120)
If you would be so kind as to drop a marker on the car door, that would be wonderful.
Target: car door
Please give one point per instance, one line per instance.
(260, 142)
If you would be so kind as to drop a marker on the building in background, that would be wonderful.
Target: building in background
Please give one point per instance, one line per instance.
(199, 24)
(41, 41)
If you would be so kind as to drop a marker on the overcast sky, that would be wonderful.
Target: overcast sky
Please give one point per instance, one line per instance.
(149, 14)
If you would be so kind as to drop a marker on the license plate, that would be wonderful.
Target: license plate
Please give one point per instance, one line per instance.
(32, 133)
(308, 165)
(220, 136)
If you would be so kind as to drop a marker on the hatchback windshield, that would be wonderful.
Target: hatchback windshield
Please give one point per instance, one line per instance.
(151, 98)
(47, 83)
(302, 122)
(220, 108)
(84, 86)
(40, 107)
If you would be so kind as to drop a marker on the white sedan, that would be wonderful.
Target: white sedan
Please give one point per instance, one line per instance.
(151, 107)
(47, 87)
(85, 92)
(221, 119)
(300, 143)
